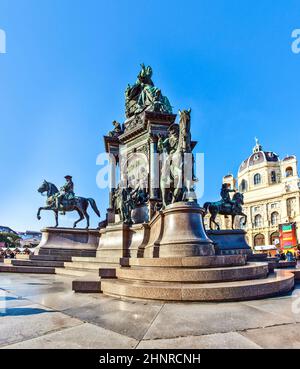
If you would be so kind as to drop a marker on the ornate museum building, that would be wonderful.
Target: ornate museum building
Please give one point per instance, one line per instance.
(271, 189)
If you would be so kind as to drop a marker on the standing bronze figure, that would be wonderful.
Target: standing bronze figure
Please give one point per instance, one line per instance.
(66, 201)
(177, 178)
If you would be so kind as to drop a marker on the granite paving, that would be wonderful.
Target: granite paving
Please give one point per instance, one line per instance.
(41, 311)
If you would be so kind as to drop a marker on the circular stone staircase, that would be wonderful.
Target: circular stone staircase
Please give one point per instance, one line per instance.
(205, 278)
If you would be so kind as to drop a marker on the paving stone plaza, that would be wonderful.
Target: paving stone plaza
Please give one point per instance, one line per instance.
(43, 312)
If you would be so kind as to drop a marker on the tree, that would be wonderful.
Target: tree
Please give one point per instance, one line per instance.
(10, 239)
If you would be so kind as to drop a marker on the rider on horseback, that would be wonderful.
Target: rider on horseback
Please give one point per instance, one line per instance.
(225, 195)
(66, 192)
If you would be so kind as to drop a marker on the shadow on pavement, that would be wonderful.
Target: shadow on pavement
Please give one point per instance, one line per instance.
(23, 311)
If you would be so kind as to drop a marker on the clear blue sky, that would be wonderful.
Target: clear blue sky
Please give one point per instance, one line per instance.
(68, 62)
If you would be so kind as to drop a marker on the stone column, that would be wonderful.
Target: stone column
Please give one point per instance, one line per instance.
(112, 178)
(154, 169)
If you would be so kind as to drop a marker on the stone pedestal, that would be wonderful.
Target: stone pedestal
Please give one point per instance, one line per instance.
(68, 241)
(183, 234)
(113, 241)
(138, 238)
(230, 242)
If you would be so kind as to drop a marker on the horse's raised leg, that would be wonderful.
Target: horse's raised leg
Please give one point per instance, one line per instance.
(38, 215)
(42, 208)
(245, 221)
(80, 219)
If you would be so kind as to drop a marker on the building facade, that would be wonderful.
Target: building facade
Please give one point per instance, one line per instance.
(271, 189)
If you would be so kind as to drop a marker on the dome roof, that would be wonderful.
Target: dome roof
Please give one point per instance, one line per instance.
(259, 156)
(291, 157)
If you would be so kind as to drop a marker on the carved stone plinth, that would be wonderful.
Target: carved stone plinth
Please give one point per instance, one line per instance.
(113, 241)
(230, 242)
(68, 241)
(183, 233)
(138, 238)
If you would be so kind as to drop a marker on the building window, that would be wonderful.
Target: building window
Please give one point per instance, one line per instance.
(273, 177)
(243, 186)
(274, 218)
(242, 221)
(257, 179)
(258, 221)
(259, 240)
(291, 206)
(289, 172)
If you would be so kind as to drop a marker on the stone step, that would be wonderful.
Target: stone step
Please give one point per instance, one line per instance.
(99, 260)
(26, 269)
(51, 257)
(281, 264)
(192, 275)
(53, 251)
(82, 265)
(295, 271)
(187, 262)
(38, 263)
(88, 266)
(87, 285)
(76, 272)
(210, 292)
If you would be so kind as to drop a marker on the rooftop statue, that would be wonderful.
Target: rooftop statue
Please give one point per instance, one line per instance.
(64, 200)
(143, 95)
(117, 131)
(226, 206)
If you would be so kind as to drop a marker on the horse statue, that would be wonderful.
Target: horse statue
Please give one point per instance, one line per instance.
(176, 178)
(222, 208)
(79, 204)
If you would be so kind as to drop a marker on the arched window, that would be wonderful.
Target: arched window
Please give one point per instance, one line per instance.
(258, 221)
(274, 218)
(242, 221)
(257, 179)
(289, 172)
(273, 177)
(291, 206)
(243, 186)
(274, 239)
(259, 240)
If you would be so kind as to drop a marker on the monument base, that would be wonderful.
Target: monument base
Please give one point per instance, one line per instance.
(68, 242)
(230, 242)
(216, 278)
(178, 231)
(180, 262)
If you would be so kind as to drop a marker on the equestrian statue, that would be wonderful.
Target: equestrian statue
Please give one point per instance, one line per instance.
(226, 206)
(64, 200)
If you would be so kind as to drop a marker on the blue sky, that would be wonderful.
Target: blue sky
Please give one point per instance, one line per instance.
(68, 62)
